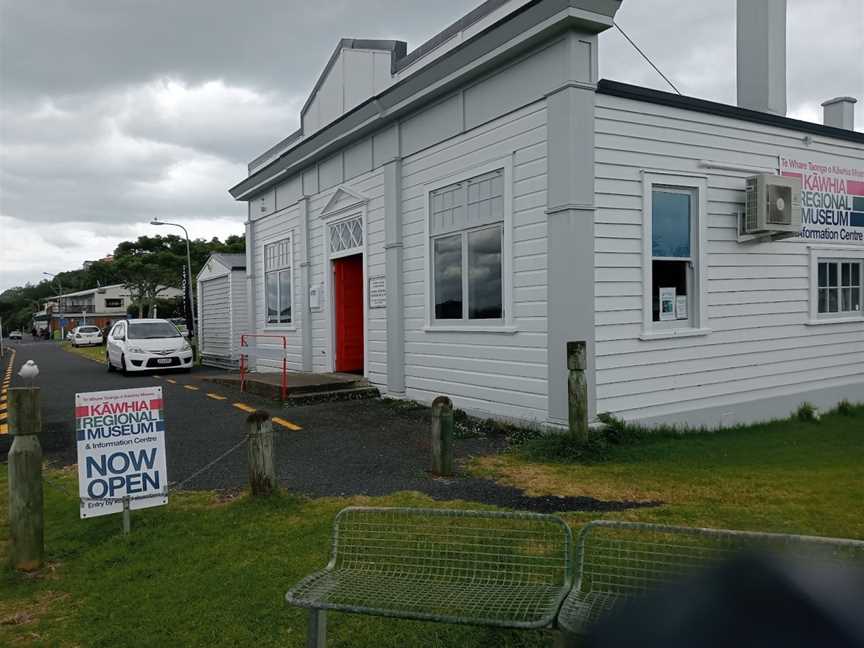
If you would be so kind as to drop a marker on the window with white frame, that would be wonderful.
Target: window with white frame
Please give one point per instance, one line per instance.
(277, 281)
(839, 287)
(466, 226)
(673, 254)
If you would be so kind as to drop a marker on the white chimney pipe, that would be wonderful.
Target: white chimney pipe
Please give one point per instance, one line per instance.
(762, 55)
(839, 112)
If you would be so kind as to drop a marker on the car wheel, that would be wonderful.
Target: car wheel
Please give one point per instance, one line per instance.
(111, 367)
(123, 369)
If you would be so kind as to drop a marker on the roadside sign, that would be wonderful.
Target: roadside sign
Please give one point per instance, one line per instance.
(121, 450)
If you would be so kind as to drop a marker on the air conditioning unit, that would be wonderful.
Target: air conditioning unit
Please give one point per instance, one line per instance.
(773, 204)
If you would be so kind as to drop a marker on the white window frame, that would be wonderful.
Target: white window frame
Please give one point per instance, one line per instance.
(697, 323)
(282, 326)
(831, 253)
(507, 323)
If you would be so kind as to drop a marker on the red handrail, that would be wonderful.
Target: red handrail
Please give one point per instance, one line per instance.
(244, 360)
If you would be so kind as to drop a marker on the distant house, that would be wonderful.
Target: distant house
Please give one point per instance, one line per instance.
(98, 306)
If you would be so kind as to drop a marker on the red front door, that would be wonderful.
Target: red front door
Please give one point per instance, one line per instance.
(348, 303)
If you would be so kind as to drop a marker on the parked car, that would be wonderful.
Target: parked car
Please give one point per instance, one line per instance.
(86, 336)
(15, 335)
(145, 345)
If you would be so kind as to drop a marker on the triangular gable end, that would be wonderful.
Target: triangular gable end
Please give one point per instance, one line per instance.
(342, 200)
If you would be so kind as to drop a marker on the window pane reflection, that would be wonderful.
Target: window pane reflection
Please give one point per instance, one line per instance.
(484, 273)
(448, 277)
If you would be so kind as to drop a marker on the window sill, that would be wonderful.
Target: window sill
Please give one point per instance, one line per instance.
(273, 327)
(674, 333)
(834, 320)
(500, 328)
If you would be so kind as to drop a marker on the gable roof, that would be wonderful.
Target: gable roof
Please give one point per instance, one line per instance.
(230, 261)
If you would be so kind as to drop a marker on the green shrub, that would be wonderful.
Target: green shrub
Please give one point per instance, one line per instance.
(807, 413)
(845, 408)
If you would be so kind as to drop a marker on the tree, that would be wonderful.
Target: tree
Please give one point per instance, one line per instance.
(149, 266)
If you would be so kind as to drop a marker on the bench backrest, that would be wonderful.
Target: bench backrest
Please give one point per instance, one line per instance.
(477, 546)
(632, 557)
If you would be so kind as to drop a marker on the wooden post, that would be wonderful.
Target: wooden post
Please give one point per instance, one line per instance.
(442, 436)
(26, 523)
(262, 472)
(577, 390)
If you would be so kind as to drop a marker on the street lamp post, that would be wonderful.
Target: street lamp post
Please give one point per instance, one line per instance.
(59, 301)
(189, 275)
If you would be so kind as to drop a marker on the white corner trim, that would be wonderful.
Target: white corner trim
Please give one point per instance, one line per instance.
(674, 333)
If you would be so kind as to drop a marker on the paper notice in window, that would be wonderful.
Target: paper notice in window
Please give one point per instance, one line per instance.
(681, 307)
(667, 304)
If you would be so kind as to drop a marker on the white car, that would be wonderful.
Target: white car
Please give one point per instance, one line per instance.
(145, 345)
(15, 335)
(86, 335)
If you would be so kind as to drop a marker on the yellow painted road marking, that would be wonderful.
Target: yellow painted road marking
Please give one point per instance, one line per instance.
(286, 424)
(192, 387)
(217, 397)
(244, 407)
(171, 380)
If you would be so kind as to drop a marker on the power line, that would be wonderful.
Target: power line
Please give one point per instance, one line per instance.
(645, 56)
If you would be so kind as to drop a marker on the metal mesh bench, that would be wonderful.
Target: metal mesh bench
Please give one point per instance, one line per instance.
(620, 560)
(476, 567)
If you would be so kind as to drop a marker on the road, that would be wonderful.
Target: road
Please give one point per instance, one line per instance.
(202, 419)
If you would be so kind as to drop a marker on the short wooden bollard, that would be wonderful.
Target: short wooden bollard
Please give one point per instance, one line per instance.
(442, 436)
(26, 522)
(262, 471)
(577, 391)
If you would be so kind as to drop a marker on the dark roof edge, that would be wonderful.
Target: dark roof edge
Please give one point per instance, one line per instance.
(396, 48)
(448, 32)
(638, 93)
(275, 150)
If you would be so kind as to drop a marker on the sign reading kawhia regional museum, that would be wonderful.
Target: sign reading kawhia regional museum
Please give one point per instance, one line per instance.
(832, 200)
(121, 450)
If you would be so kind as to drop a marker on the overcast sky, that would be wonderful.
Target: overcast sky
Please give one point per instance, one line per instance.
(113, 112)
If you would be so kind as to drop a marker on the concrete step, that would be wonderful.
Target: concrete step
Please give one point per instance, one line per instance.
(342, 394)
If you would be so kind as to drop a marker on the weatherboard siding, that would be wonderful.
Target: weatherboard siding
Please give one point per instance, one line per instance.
(496, 373)
(758, 299)
(239, 319)
(270, 229)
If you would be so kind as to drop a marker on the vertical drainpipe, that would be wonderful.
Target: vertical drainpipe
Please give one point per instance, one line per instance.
(305, 277)
(570, 222)
(394, 276)
(251, 315)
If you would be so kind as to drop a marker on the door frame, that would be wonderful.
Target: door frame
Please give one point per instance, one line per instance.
(332, 214)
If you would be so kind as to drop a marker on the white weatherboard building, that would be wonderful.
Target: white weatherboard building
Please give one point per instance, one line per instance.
(222, 314)
(446, 220)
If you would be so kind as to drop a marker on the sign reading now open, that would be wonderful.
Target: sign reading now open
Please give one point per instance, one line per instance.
(121, 450)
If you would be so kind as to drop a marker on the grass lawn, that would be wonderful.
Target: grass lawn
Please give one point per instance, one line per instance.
(211, 570)
(96, 353)
(785, 476)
